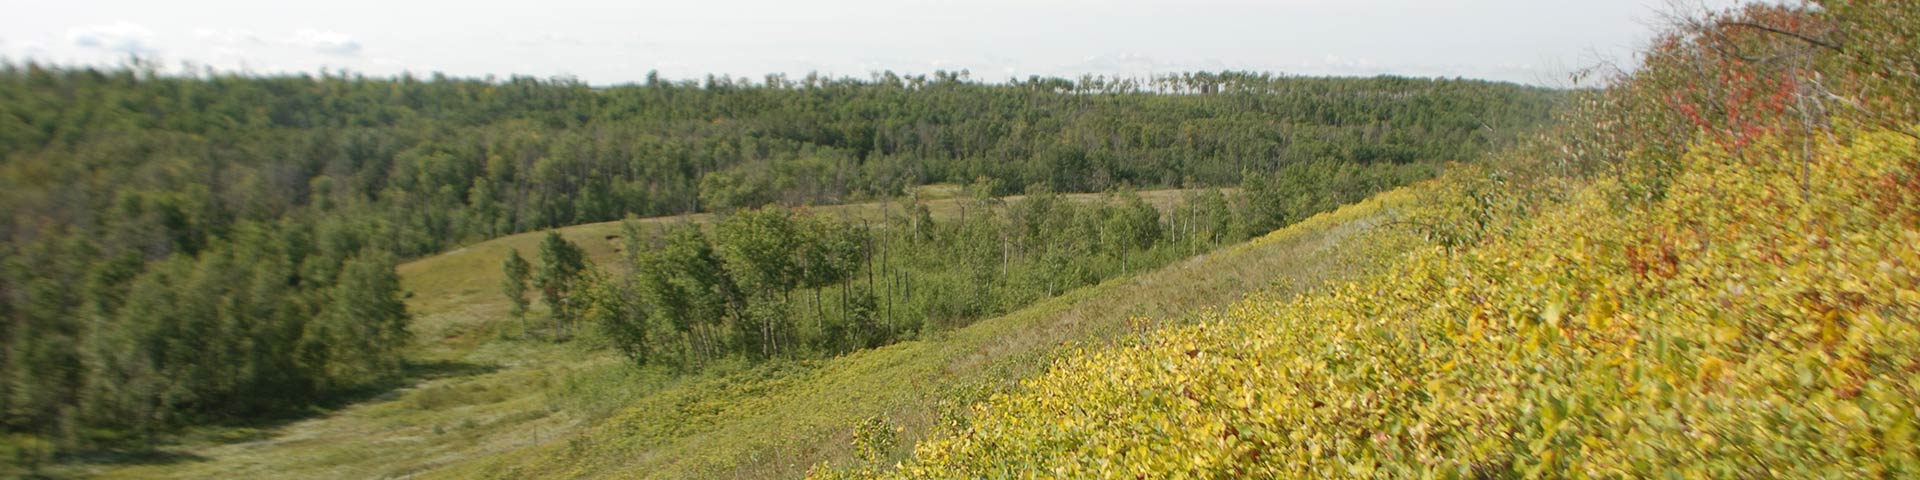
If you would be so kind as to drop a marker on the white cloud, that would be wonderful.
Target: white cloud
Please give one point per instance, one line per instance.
(123, 37)
(327, 42)
(228, 36)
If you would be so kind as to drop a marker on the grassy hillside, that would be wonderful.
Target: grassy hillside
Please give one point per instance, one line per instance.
(495, 405)
(1737, 329)
(456, 296)
(1733, 292)
(777, 422)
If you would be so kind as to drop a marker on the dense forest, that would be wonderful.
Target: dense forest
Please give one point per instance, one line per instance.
(184, 248)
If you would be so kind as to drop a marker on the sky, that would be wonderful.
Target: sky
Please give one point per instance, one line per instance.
(610, 41)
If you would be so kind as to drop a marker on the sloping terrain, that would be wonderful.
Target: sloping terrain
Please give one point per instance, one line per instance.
(1742, 327)
(777, 422)
(493, 404)
(1693, 277)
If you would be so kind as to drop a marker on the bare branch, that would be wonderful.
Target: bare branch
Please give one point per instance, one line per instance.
(1810, 40)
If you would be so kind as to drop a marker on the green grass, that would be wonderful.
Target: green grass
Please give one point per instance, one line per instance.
(527, 408)
(456, 300)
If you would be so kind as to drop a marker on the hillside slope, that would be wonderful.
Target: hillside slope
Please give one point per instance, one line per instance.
(486, 393)
(456, 298)
(1735, 293)
(1736, 329)
(778, 421)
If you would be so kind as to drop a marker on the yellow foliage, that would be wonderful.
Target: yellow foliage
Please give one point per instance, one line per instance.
(1753, 323)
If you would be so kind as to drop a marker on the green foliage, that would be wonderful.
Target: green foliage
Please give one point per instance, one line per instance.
(518, 277)
(1301, 190)
(615, 307)
(364, 325)
(874, 441)
(779, 283)
(242, 329)
(25, 455)
(691, 289)
(757, 248)
(560, 276)
(1132, 225)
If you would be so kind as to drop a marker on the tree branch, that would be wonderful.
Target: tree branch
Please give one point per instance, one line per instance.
(1810, 40)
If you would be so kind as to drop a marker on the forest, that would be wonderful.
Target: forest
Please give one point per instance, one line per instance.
(205, 247)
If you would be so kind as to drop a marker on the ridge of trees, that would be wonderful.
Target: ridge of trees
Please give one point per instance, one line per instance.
(784, 283)
(778, 282)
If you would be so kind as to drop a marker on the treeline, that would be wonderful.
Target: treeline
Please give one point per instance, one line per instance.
(104, 341)
(185, 248)
(429, 163)
(784, 283)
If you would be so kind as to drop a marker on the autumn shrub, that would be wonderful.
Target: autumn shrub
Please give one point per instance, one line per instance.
(1720, 283)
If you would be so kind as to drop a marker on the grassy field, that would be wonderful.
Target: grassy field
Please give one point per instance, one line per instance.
(492, 405)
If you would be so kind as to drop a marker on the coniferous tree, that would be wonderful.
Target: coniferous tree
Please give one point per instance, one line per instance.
(562, 263)
(514, 286)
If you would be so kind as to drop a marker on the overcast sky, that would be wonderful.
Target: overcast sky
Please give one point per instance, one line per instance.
(613, 41)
